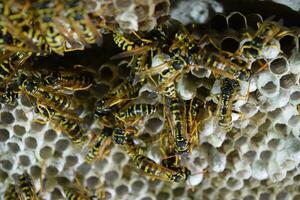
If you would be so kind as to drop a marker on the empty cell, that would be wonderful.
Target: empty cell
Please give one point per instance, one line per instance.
(296, 197)
(62, 145)
(265, 196)
(249, 156)
(219, 23)
(71, 161)
(6, 164)
(84, 169)
(101, 89)
(279, 66)
(3, 176)
(24, 160)
(265, 155)
(230, 44)
(141, 12)
(46, 152)
(249, 197)
(258, 65)
(36, 126)
(179, 191)
(50, 135)
(107, 72)
(282, 129)
(92, 182)
(35, 171)
(13, 147)
(274, 143)
(162, 8)
(163, 196)
(253, 20)
(288, 43)
(111, 176)
(122, 4)
(118, 157)
(241, 141)
(295, 96)
(57, 194)
(122, 190)
(51, 171)
(147, 198)
(237, 21)
(7, 118)
(288, 80)
(62, 181)
(284, 195)
(153, 124)
(123, 69)
(30, 142)
(20, 115)
(19, 130)
(269, 88)
(137, 186)
(4, 135)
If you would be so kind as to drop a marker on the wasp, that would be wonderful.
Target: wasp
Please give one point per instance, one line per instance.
(96, 146)
(228, 92)
(8, 95)
(151, 168)
(9, 65)
(68, 124)
(33, 87)
(254, 48)
(25, 187)
(53, 30)
(11, 193)
(119, 95)
(137, 110)
(78, 192)
(121, 135)
(81, 23)
(178, 129)
(69, 80)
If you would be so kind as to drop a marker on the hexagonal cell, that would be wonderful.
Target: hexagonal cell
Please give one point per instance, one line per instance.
(62, 145)
(6, 164)
(279, 66)
(7, 118)
(46, 152)
(19, 130)
(141, 11)
(234, 184)
(84, 169)
(30, 142)
(265, 196)
(137, 186)
(118, 157)
(13, 147)
(288, 80)
(250, 156)
(122, 190)
(20, 115)
(154, 125)
(258, 65)
(71, 160)
(3, 176)
(163, 196)
(219, 23)
(237, 21)
(51, 171)
(230, 44)
(253, 20)
(288, 43)
(162, 8)
(123, 69)
(57, 194)
(35, 171)
(24, 160)
(249, 197)
(284, 195)
(92, 182)
(111, 176)
(265, 155)
(122, 4)
(101, 89)
(4, 135)
(50, 135)
(107, 72)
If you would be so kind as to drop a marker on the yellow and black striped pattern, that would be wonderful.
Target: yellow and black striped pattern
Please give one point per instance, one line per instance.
(137, 110)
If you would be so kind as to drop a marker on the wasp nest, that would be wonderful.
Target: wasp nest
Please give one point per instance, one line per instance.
(257, 159)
